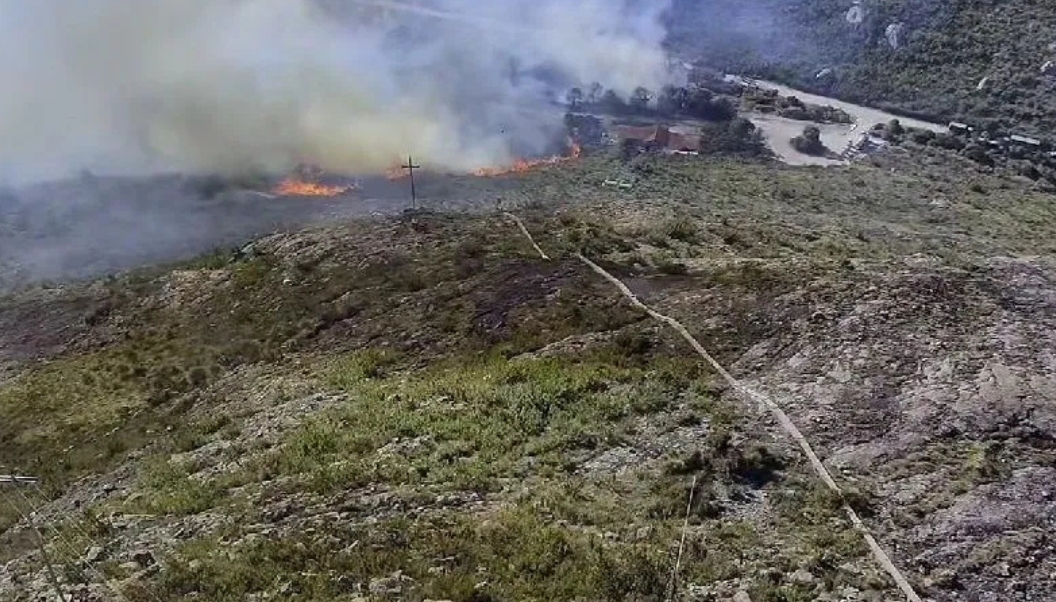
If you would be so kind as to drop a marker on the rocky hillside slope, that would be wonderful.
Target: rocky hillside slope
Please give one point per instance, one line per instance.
(977, 60)
(412, 409)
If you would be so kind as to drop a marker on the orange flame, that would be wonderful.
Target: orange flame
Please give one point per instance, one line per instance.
(525, 165)
(294, 186)
(396, 172)
(304, 182)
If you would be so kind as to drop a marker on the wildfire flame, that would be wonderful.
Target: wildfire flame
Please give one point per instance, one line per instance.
(302, 184)
(397, 172)
(525, 165)
(298, 187)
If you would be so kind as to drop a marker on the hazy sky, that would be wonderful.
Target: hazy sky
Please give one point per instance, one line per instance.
(206, 85)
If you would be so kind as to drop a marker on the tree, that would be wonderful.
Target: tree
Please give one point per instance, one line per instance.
(736, 136)
(575, 98)
(702, 104)
(665, 101)
(1029, 170)
(948, 141)
(894, 130)
(672, 100)
(809, 142)
(994, 128)
(699, 101)
(742, 127)
(611, 103)
(640, 98)
(722, 109)
(628, 149)
(595, 92)
(923, 136)
(978, 154)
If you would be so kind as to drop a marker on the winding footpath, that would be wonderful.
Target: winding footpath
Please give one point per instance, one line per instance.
(751, 396)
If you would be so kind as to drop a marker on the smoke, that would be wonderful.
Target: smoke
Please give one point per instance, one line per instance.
(139, 86)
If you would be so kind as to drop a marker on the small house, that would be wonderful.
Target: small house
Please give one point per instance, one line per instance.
(660, 138)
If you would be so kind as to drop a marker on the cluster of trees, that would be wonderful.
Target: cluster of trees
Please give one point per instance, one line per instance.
(723, 131)
(738, 136)
(809, 142)
(672, 101)
(1035, 164)
(791, 107)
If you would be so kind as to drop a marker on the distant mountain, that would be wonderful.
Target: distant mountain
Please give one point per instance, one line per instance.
(982, 61)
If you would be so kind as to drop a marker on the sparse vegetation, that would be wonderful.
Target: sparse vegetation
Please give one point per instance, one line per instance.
(375, 410)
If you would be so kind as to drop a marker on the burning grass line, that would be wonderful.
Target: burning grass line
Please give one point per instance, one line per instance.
(751, 395)
(299, 187)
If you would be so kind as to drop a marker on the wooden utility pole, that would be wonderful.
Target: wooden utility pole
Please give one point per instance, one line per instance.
(410, 167)
(53, 577)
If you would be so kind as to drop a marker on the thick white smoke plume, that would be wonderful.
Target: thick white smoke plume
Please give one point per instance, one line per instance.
(138, 86)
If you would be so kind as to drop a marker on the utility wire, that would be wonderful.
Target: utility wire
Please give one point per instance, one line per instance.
(96, 573)
(52, 576)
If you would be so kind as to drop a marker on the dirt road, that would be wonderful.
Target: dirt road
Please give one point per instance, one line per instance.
(836, 136)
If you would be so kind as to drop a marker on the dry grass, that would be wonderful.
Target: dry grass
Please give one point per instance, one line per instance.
(430, 335)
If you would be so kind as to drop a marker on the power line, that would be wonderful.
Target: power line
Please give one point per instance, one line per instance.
(73, 551)
(52, 576)
(61, 540)
(70, 550)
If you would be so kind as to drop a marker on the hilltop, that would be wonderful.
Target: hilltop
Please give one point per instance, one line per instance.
(987, 63)
(420, 407)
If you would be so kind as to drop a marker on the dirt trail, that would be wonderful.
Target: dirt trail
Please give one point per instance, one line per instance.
(865, 116)
(779, 132)
(752, 396)
(836, 136)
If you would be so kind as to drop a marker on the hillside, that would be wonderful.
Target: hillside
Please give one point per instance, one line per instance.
(412, 409)
(92, 226)
(936, 68)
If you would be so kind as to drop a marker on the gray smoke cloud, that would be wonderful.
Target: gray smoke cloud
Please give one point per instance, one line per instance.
(138, 86)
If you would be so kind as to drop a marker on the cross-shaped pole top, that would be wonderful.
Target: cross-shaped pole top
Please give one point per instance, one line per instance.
(410, 167)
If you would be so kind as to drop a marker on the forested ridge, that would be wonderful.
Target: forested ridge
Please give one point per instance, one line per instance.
(974, 60)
